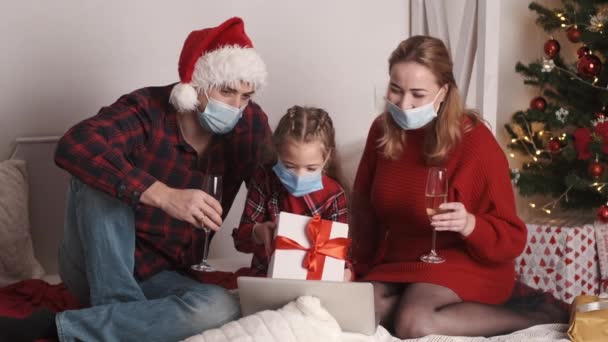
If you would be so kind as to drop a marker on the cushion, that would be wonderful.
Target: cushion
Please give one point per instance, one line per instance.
(301, 320)
(17, 261)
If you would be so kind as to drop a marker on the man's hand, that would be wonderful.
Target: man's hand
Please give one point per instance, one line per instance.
(191, 205)
(263, 233)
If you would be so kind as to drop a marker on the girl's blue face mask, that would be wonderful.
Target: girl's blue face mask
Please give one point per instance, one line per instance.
(299, 185)
(413, 118)
(218, 117)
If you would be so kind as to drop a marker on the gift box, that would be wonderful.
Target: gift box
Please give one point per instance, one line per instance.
(589, 319)
(309, 248)
(561, 260)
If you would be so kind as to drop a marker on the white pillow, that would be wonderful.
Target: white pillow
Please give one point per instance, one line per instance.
(17, 261)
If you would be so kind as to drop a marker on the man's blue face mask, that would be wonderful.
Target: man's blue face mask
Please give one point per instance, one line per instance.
(218, 117)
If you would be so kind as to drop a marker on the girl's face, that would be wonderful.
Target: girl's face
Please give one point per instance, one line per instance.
(413, 85)
(302, 157)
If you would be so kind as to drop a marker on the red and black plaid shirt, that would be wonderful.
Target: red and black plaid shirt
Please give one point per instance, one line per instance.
(267, 197)
(136, 141)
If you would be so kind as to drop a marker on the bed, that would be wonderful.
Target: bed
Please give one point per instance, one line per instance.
(47, 193)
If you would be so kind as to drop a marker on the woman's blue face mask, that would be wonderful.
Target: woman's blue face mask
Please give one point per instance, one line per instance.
(413, 118)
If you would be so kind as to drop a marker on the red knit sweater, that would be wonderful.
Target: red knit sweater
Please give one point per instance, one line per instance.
(478, 268)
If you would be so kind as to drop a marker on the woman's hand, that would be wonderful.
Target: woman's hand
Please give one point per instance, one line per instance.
(454, 217)
(263, 233)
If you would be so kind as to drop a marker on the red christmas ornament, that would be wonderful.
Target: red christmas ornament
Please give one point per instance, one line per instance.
(595, 169)
(582, 51)
(538, 103)
(574, 34)
(551, 47)
(589, 66)
(554, 145)
(602, 213)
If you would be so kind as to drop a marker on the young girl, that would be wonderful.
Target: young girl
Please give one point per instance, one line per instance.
(303, 178)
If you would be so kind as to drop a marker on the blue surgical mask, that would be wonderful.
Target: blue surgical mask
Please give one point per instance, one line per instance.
(298, 185)
(413, 118)
(218, 117)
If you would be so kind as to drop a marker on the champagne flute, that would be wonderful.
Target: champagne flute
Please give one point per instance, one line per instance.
(212, 184)
(436, 193)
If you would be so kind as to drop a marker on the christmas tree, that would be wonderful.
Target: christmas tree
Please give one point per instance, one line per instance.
(563, 135)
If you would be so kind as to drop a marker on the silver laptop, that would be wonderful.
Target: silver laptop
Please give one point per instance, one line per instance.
(350, 303)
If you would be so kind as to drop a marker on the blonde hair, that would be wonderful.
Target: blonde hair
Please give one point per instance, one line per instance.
(448, 127)
(307, 124)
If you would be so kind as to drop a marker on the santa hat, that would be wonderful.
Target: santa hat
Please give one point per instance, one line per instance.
(216, 57)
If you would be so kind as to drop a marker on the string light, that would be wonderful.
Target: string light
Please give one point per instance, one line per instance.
(576, 77)
(512, 155)
(533, 205)
(538, 152)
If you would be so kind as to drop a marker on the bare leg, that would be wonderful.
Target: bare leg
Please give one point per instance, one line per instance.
(386, 297)
(426, 309)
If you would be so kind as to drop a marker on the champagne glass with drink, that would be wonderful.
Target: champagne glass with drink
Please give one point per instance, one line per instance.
(212, 184)
(436, 193)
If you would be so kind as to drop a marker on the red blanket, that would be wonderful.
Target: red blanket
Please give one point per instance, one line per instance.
(22, 298)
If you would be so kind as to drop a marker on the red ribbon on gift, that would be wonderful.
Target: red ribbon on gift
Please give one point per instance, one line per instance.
(321, 246)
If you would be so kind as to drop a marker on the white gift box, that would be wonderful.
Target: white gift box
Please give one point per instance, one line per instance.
(288, 263)
(562, 260)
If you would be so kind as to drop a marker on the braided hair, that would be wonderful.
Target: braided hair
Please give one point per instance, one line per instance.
(307, 124)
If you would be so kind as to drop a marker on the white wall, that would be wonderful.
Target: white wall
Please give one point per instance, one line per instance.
(62, 61)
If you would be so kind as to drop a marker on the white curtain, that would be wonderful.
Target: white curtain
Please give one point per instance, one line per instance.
(429, 17)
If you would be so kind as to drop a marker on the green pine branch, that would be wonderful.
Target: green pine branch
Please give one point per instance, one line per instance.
(562, 174)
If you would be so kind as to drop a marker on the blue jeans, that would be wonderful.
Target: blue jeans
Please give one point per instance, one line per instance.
(96, 262)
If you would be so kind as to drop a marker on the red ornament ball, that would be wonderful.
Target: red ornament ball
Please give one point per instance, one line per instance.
(554, 145)
(589, 66)
(574, 34)
(595, 169)
(582, 51)
(538, 103)
(551, 48)
(602, 213)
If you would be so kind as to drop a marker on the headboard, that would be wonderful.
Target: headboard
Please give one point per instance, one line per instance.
(47, 195)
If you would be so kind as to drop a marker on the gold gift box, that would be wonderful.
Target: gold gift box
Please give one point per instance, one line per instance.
(589, 319)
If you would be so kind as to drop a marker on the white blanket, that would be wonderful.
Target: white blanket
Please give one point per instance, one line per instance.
(306, 320)
(299, 321)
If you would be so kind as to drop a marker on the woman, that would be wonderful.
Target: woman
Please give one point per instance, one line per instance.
(478, 232)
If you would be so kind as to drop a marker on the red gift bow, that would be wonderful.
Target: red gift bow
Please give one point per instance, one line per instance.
(321, 246)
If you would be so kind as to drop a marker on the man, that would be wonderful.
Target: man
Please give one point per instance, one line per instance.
(135, 200)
